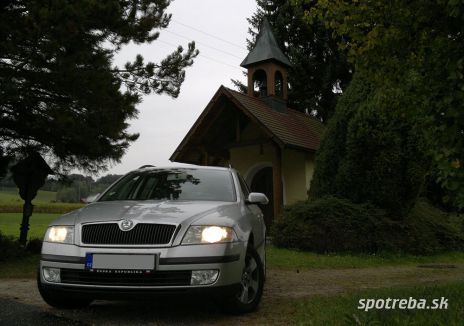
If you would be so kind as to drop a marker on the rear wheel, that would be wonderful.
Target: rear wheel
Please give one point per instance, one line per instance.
(251, 285)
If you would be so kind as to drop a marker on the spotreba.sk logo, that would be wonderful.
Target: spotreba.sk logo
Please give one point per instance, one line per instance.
(410, 304)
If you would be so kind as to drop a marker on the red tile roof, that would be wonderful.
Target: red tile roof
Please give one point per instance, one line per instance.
(291, 128)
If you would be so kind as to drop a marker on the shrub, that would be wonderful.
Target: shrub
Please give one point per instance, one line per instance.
(328, 224)
(430, 230)
(10, 248)
(331, 224)
(34, 246)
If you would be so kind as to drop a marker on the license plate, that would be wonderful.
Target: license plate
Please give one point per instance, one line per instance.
(120, 262)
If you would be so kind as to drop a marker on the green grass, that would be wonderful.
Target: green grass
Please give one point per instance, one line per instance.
(44, 202)
(343, 309)
(11, 195)
(292, 259)
(10, 223)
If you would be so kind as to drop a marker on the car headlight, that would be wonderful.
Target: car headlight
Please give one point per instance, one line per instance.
(62, 234)
(209, 234)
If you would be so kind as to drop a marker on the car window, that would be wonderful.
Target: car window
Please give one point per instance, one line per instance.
(125, 187)
(174, 184)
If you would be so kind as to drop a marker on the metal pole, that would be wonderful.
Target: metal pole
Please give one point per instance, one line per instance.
(27, 212)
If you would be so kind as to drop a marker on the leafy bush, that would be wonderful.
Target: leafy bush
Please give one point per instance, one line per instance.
(431, 230)
(34, 246)
(10, 248)
(328, 224)
(331, 224)
(438, 195)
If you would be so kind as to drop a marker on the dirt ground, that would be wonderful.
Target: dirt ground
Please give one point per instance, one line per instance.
(20, 302)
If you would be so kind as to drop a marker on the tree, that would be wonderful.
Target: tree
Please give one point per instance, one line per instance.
(76, 187)
(371, 153)
(60, 94)
(412, 49)
(319, 70)
(108, 179)
(333, 146)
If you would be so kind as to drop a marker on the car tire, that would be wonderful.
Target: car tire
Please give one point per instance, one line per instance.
(60, 300)
(251, 286)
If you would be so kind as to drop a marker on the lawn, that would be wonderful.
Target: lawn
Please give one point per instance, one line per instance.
(11, 195)
(292, 259)
(343, 309)
(24, 267)
(11, 202)
(10, 223)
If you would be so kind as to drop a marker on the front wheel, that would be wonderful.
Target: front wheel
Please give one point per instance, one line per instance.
(251, 285)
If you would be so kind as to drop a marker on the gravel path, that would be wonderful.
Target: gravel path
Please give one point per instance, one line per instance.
(20, 302)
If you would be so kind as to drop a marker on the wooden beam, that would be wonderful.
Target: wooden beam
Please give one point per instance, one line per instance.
(277, 183)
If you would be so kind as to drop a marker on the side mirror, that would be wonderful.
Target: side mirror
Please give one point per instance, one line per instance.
(257, 198)
(90, 199)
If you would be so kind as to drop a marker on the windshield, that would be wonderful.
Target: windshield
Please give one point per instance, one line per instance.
(174, 184)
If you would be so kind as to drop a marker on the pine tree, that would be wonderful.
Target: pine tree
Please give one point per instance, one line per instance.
(60, 93)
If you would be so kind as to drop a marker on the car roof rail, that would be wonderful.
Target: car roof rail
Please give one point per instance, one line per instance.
(146, 166)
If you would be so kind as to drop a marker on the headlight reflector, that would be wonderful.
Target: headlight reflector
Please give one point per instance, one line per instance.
(62, 234)
(204, 277)
(51, 274)
(214, 234)
(197, 234)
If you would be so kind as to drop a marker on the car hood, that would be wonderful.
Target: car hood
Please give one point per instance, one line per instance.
(171, 212)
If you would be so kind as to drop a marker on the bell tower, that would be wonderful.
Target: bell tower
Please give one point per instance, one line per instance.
(267, 69)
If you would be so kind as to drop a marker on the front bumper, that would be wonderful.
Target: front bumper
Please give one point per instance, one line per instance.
(227, 258)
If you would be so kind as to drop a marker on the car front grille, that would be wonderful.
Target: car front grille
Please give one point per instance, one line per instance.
(156, 278)
(141, 234)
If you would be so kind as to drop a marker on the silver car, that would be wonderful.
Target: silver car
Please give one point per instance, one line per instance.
(160, 230)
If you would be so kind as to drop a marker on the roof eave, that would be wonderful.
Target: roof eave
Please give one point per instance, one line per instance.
(245, 65)
(194, 127)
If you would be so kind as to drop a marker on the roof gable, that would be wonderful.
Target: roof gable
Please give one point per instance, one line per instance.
(289, 129)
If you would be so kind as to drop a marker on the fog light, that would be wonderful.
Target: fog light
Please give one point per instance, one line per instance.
(51, 274)
(204, 277)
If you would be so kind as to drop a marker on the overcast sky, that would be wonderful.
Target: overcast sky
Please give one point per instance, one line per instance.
(163, 122)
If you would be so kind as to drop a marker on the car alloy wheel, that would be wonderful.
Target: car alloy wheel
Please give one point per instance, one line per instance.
(250, 280)
(250, 288)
